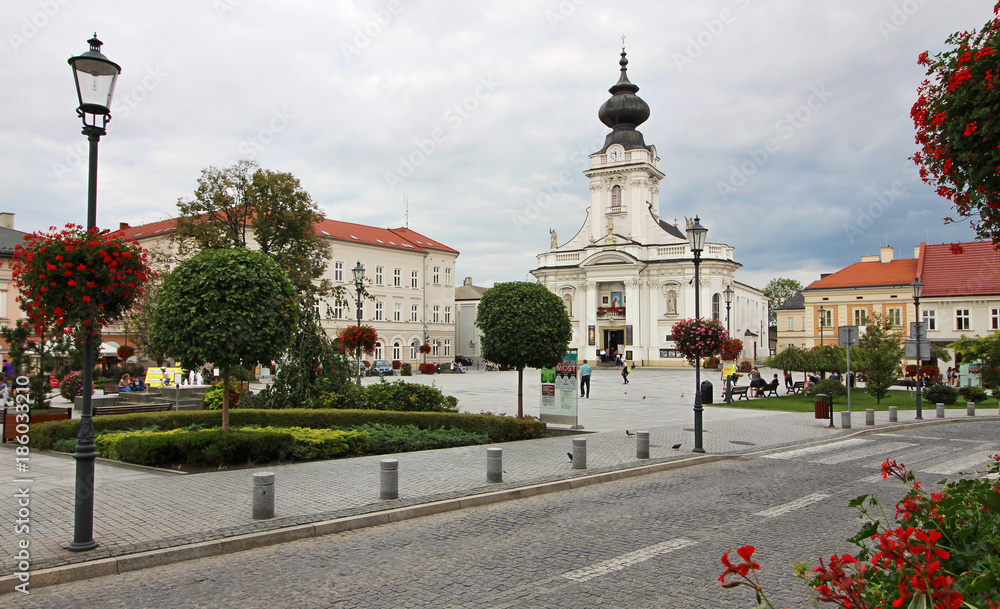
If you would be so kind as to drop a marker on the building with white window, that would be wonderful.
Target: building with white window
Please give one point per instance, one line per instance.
(10, 310)
(627, 276)
(961, 294)
(404, 313)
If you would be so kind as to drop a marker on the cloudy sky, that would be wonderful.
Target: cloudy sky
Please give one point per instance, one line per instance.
(783, 123)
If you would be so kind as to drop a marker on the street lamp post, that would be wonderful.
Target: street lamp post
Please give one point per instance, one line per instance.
(822, 323)
(95, 76)
(728, 294)
(696, 237)
(918, 289)
(359, 278)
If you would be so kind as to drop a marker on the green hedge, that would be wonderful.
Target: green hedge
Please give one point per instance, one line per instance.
(496, 428)
(384, 439)
(205, 447)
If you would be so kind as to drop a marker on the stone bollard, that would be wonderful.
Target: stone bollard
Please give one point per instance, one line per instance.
(970, 409)
(845, 419)
(494, 465)
(893, 416)
(940, 411)
(579, 453)
(642, 445)
(263, 495)
(870, 416)
(388, 487)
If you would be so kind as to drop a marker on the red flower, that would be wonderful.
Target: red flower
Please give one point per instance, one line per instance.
(956, 248)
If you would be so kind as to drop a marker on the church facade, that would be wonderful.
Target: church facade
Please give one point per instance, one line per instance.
(627, 276)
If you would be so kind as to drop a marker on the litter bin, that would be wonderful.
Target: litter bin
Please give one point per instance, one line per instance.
(821, 406)
(706, 392)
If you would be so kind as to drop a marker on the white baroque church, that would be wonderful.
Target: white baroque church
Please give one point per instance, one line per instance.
(627, 276)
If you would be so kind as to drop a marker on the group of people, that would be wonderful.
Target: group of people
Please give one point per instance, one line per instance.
(127, 383)
(586, 371)
(612, 355)
(951, 376)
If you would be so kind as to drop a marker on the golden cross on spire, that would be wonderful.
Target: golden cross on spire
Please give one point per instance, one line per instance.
(623, 42)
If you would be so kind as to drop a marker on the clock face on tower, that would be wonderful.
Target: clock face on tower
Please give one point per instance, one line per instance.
(616, 153)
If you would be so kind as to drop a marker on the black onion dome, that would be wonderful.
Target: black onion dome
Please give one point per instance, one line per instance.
(624, 111)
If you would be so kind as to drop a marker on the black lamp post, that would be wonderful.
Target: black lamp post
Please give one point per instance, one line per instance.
(918, 289)
(728, 295)
(822, 323)
(359, 278)
(95, 76)
(696, 237)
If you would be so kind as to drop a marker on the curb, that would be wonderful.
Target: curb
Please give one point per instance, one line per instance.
(155, 558)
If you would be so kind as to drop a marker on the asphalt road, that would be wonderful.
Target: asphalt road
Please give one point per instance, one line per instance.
(651, 541)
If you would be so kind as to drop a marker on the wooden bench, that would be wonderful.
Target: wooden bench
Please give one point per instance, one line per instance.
(740, 391)
(10, 421)
(770, 389)
(796, 387)
(133, 408)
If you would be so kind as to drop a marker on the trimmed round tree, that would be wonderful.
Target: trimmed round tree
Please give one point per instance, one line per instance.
(523, 325)
(227, 307)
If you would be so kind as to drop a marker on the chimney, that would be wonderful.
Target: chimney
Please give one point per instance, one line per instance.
(885, 254)
(916, 251)
(123, 225)
(6, 220)
(823, 276)
(468, 281)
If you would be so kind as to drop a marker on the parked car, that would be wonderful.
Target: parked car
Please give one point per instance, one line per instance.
(380, 367)
(465, 361)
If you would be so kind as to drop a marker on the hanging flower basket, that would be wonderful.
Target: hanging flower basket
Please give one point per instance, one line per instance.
(75, 277)
(353, 337)
(125, 352)
(425, 348)
(732, 349)
(697, 338)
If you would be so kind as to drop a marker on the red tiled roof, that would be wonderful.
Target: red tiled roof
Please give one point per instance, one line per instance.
(975, 271)
(397, 238)
(859, 274)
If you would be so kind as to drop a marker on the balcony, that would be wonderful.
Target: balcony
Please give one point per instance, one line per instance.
(610, 312)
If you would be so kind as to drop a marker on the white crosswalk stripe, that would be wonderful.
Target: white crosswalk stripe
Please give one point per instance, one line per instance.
(967, 463)
(862, 452)
(791, 506)
(812, 450)
(626, 560)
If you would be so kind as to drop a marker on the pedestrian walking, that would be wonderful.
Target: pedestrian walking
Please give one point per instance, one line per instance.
(585, 372)
(625, 372)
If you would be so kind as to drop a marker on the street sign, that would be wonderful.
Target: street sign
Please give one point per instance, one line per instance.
(920, 326)
(917, 349)
(848, 336)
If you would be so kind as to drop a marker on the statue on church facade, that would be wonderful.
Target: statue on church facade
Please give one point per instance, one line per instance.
(611, 230)
(553, 242)
(671, 303)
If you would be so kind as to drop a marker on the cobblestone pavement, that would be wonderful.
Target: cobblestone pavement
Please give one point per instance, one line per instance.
(139, 510)
(642, 542)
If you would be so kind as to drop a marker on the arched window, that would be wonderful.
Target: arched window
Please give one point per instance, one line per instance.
(616, 197)
(378, 350)
(397, 350)
(716, 305)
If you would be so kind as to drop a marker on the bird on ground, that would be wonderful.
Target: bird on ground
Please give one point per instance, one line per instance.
(570, 455)
(676, 446)
(629, 433)
(644, 397)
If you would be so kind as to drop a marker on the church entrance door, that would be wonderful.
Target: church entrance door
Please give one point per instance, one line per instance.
(614, 339)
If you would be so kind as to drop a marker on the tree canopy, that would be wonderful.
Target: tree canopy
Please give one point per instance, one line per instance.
(779, 290)
(986, 351)
(523, 325)
(243, 205)
(227, 307)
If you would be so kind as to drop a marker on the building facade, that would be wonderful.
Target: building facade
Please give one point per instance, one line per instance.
(10, 310)
(627, 276)
(410, 278)
(467, 297)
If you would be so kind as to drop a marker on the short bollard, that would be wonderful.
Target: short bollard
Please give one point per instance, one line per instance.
(845, 419)
(263, 495)
(642, 445)
(970, 409)
(388, 487)
(940, 411)
(494, 465)
(870, 416)
(579, 453)
(893, 417)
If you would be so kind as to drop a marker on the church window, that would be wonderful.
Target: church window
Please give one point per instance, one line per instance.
(616, 197)
(716, 300)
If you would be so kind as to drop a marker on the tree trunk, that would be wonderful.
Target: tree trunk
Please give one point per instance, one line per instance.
(225, 398)
(520, 392)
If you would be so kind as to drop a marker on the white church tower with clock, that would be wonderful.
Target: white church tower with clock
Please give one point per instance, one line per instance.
(627, 276)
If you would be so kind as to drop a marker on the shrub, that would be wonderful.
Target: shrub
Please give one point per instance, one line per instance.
(410, 397)
(828, 387)
(311, 444)
(396, 364)
(384, 439)
(499, 428)
(71, 385)
(941, 394)
(407, 369)
(205, 447)
(427, 368)
(973, 394)
(213, 397)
